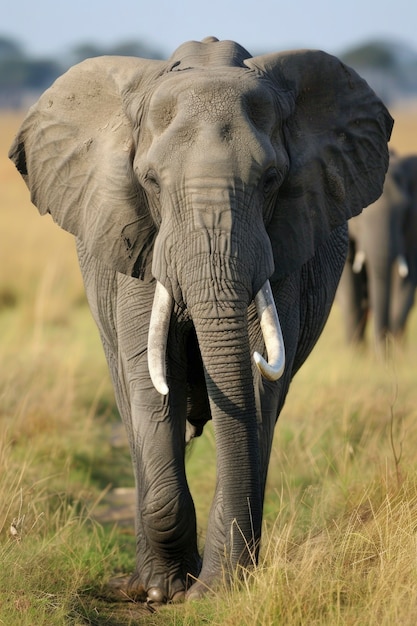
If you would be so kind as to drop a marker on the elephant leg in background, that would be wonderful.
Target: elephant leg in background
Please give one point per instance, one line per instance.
(353, 300)
(165, 519)
(380, 287)
(402, 301)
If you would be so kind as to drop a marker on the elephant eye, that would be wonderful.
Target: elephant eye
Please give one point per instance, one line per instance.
(270, 181)
(152, 182)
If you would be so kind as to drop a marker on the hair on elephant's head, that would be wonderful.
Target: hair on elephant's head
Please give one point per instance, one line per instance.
(213, 173)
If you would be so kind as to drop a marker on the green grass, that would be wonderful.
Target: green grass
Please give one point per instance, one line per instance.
(340, 527)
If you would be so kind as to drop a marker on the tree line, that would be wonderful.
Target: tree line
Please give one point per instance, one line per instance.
(22, 76)
(390, 68)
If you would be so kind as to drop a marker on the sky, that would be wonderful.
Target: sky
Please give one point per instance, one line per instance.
(49, 27)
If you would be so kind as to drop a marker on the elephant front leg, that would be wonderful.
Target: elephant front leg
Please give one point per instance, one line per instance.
(167, 559)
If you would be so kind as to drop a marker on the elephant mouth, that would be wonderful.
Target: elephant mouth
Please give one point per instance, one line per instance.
(162, 307)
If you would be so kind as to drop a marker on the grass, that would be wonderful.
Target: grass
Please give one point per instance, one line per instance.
(340, 529)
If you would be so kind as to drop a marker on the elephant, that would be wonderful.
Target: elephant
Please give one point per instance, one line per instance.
(380, 274)
(209, 196)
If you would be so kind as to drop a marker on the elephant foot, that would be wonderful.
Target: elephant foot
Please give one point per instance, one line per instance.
(205, 585)
(121, 589)
(126, 588)
(156, 597)
(198, 591)
(157, 590)
(216, 579)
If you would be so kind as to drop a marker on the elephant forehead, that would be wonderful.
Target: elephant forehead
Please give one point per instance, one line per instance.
(211, 105)
(211, 97)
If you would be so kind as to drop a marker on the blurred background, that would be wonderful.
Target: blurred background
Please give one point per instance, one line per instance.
(39, 40)
(341, 500)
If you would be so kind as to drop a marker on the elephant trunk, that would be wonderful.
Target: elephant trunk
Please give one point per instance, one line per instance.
(232, 401)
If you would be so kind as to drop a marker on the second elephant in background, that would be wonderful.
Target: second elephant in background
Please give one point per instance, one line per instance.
(380, 274)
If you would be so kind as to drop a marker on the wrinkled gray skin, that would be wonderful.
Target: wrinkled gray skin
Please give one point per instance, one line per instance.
(210, 173)
(380, 275)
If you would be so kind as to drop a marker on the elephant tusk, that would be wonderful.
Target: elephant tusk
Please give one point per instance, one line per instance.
(271, 330)
(158, 337)
(402, 266)
(358, 262)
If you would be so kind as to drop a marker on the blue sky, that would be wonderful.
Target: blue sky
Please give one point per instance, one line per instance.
(48, 27)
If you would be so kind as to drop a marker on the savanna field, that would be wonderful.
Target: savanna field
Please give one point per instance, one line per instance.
(340, 529)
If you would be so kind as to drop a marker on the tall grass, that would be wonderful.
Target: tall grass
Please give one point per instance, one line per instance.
(340, 529)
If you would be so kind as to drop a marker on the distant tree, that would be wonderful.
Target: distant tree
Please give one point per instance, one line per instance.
(85, 51)
(136, 49)
(12, 73)
(377, 55)
(25, 73)
(128, 48)
(10, 49)
(40, 74)
(21, 75)
(390, 67)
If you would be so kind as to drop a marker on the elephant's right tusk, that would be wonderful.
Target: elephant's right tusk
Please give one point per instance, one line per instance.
(358, 262)
(402, 266)
(271, 330)
(158, 337)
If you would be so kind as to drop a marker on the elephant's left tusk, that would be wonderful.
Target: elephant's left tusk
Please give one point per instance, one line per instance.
(271, 330)
(158, 337)
(402, 266)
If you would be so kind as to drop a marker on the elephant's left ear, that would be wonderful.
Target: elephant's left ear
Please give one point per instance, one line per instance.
(336, 132)
(75, 150)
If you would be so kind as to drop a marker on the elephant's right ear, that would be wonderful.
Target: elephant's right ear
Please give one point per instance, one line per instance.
(75, 152)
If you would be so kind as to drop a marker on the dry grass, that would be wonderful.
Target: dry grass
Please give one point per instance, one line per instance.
(340, 542)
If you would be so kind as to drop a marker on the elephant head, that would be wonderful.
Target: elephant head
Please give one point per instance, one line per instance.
(212, 173)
